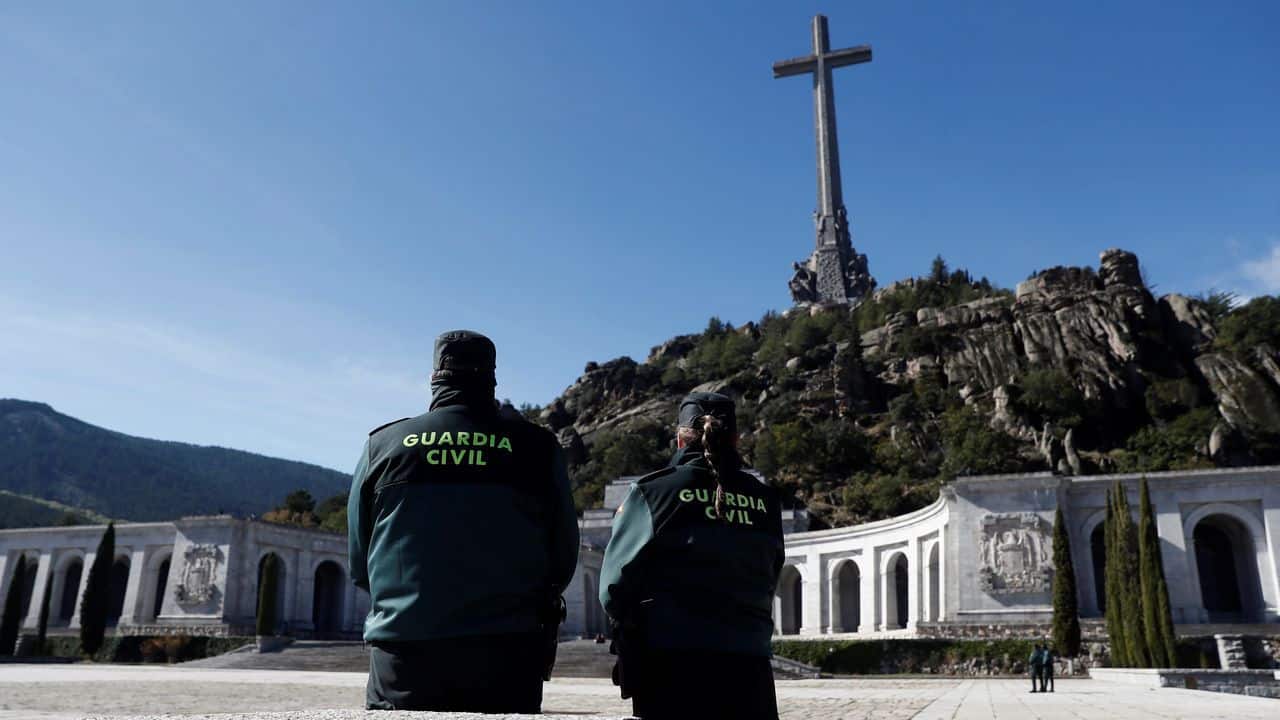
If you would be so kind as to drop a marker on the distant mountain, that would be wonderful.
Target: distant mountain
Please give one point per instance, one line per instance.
(45, 454)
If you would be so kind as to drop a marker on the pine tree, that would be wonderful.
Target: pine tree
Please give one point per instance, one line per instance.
(1115, 621)
(267, 597)
(96, 602)
(1066, 613)
(11, 619)
(1157, 619)
(1127, 574)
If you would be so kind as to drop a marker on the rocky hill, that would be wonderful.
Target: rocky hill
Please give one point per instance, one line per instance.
(864, 411)
(45, 454)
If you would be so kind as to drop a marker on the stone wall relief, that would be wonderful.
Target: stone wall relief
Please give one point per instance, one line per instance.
(199, 582)
(1016, 556)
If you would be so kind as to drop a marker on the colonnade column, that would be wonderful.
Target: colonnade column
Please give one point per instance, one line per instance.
(914, 572)
(811, 596)
(90, 555)
(133, 590)
(4, 575)
(1270, 580)
(884, 577)
(867, 604)
(43, 568)
(304, 597)
(942, 576)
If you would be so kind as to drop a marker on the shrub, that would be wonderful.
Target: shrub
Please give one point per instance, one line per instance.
(626, 451)
(1176, 445)
(1251, 324)
(166, 648)
(869, 657)
(972, 447)
(1049, 395)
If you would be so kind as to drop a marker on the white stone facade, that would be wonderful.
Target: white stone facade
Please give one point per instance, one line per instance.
(980, 555)
(195, 575)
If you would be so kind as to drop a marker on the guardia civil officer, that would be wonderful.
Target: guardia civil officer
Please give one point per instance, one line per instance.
(462, 529)
(689, 576)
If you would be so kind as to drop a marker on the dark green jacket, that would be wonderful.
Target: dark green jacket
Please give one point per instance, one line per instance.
(460, 523)
(691, 580)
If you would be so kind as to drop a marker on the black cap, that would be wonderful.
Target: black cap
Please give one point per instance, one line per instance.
(696, 404)
(465, 351)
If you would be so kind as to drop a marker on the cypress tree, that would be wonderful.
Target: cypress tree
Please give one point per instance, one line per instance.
(96, 602)
(267, 597)
(11, 619)
(42, 629)
(1066, 613)
(1157, 618)
(1127, 574)
(1115, 627)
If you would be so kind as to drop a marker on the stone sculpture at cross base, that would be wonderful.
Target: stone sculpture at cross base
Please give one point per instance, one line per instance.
(835, 273)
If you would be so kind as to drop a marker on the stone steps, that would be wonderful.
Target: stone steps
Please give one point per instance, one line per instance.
(574, 658)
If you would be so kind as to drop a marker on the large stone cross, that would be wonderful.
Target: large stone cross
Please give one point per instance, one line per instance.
(835, 272)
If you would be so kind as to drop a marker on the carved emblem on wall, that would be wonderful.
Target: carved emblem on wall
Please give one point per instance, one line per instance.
(1015, 554)
(199, 575)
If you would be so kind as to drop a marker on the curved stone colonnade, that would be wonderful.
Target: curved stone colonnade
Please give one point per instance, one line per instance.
(195, 575)
(874, 578)
(982, 555)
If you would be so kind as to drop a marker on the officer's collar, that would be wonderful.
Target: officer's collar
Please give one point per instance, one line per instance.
(446, 393)
(686, 455)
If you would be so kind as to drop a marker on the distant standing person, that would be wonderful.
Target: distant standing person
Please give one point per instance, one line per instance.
(689, 576)
(462, 528)
(1033, 666)
(1046, 667)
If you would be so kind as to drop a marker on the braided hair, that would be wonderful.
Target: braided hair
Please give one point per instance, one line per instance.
(718, 448)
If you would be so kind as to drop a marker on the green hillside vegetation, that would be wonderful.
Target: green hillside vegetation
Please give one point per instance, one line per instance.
(827, 460)
(301, 510)
(23, 511)
(48, 455)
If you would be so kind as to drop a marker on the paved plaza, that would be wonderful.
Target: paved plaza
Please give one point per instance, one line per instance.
(64, 692)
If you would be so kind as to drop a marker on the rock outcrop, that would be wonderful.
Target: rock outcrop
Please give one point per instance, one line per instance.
(1133, 360)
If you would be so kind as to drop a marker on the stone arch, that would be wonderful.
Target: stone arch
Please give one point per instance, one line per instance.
(846, 606)
(593, 621)
(117, 587)
(157, 578)
(1225, 554)
(67, 575)
(789, 600)
(282, 577)
(327, 597)
(1098, 563)
(27, 586)
(933, 565)
(1091, 566)
(1238, 537)
(897, 587)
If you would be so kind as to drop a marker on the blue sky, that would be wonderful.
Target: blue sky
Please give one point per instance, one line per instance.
(243, 223)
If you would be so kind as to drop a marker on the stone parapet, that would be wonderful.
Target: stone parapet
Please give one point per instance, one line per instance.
(1090, 630)
(1257, 683)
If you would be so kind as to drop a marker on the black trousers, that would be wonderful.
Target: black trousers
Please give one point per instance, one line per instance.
(486, 674)
(680, 684)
